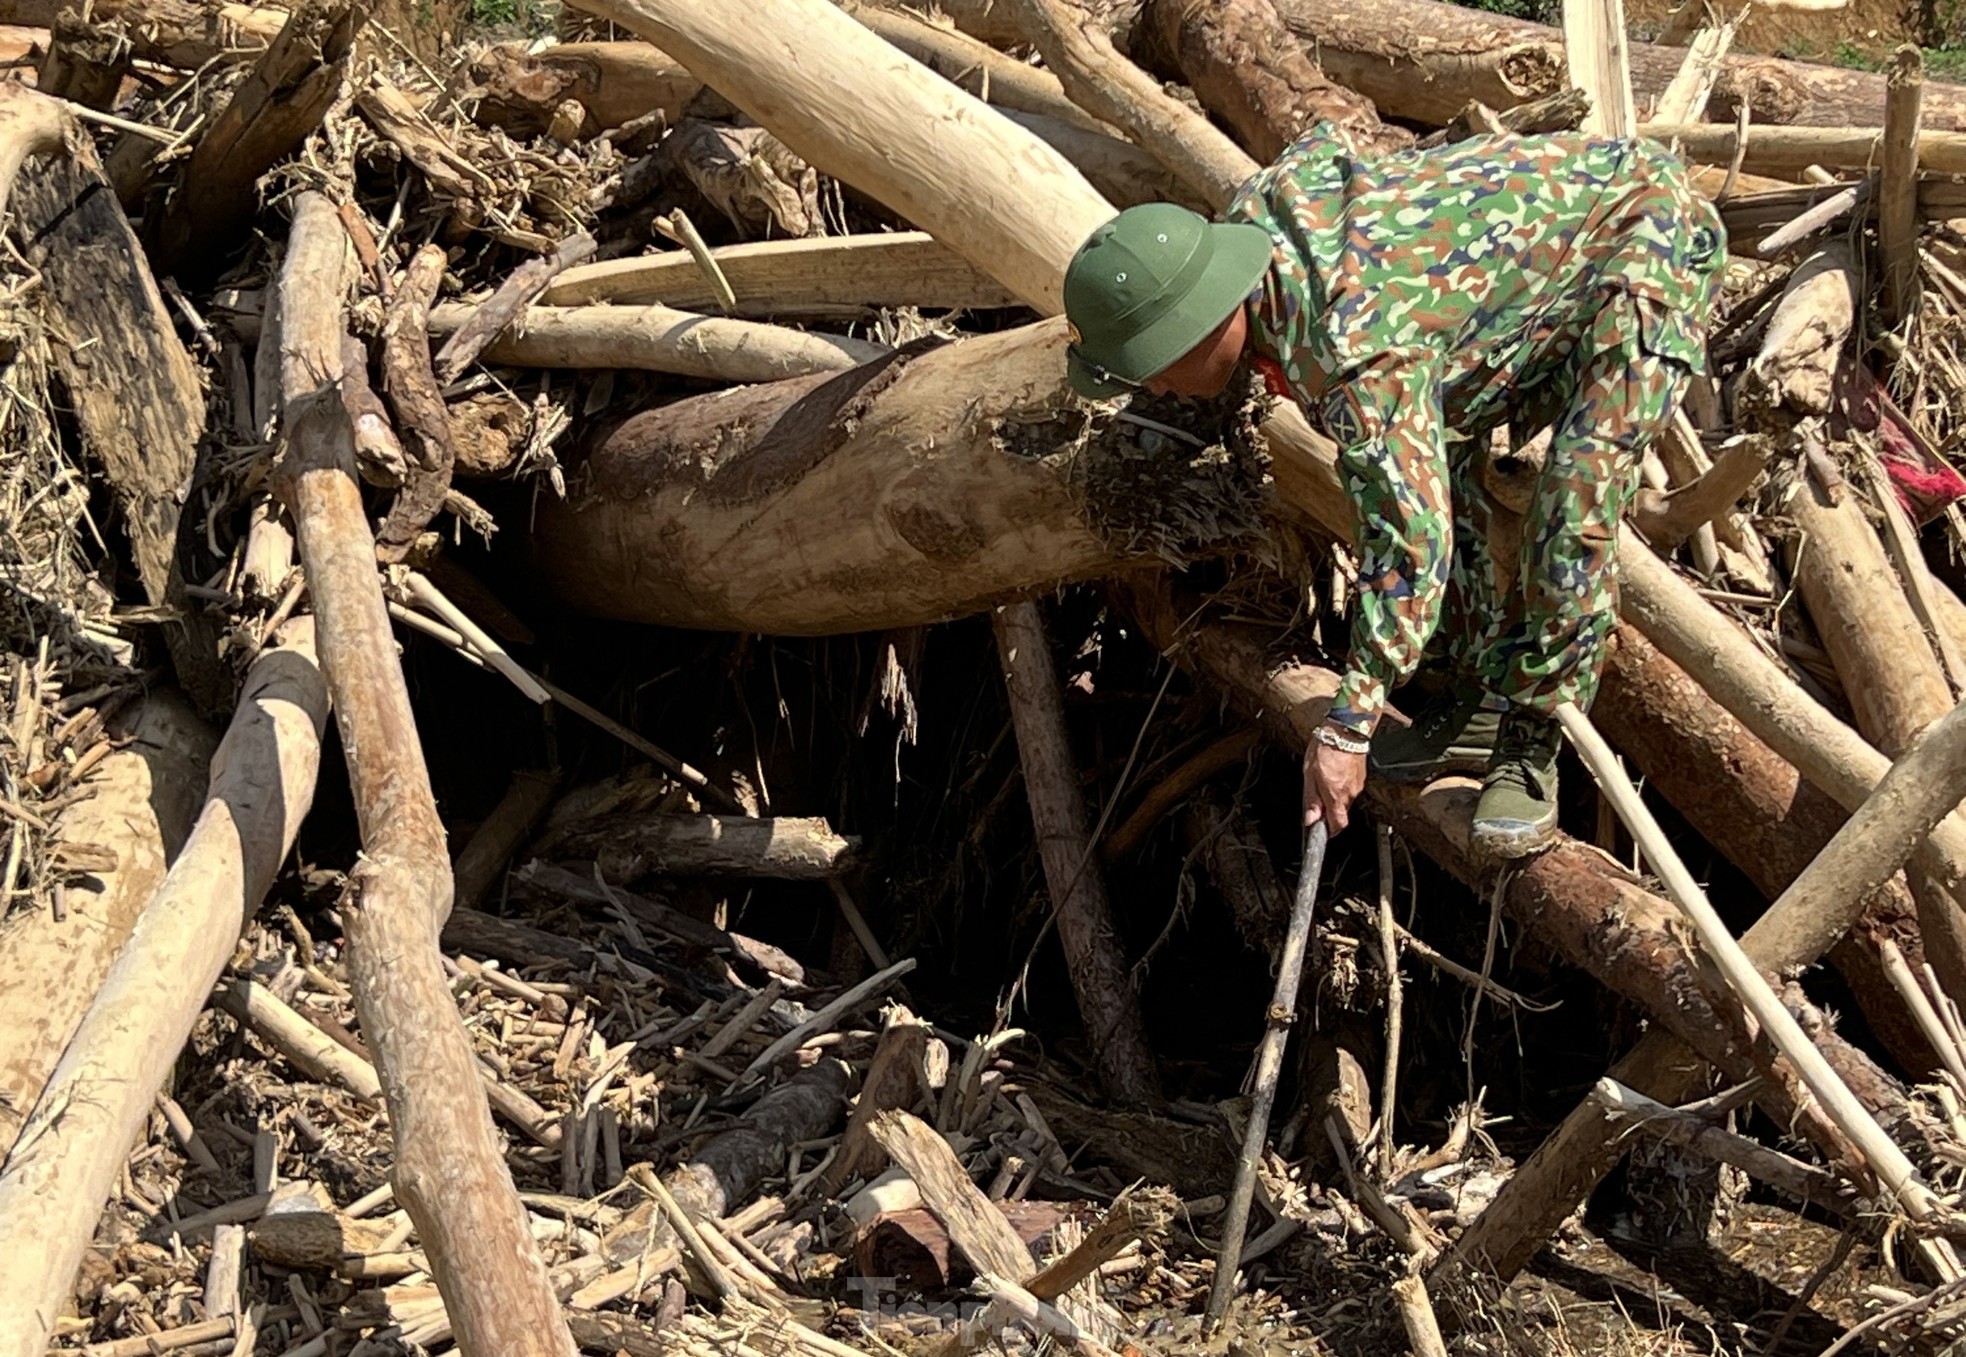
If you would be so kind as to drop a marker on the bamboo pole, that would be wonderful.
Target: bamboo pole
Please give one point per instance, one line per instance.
(1885, 1159)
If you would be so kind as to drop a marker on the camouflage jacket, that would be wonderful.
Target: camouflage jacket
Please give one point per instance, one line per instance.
(1430, 292)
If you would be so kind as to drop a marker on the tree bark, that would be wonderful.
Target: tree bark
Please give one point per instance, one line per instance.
(65, 1161)
(141, 804)
(1108, 1004)
(283, 99)
(133, 388)
(1424, 60)
(1248, 70)
(450, 1173)
(629, 847)
(728, 1169)
(972, 465)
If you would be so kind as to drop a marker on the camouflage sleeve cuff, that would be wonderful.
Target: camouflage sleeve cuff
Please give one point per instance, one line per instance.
(1360, 700)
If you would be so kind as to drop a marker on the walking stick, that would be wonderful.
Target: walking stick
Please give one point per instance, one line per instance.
(1269, 1064)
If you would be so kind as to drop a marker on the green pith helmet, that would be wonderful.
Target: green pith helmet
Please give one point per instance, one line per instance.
(1148, 286)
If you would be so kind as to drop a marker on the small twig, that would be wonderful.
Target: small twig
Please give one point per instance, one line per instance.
(433, 599)
(679, 228)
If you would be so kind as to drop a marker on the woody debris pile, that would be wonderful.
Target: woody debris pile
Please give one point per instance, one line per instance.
(599, 754)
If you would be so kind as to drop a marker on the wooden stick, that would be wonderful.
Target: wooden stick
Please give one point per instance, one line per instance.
(1901, 540)
(679, 1220)
(1897, 189)
(1921, 1007)
(1106, 998)
(1893, 1170)
(450, 1172)
(1668, 520)
(1137, 1213)
(1171, 790)
(188, 1335)
(1416, 1311)
(1279, 1018)
(513, 296)
(434, 600)
(904, 268)
(1804, 1182)
(300, 1041)
(186, 1134)
(417, 399)
(1685, 99)
(825, 1017)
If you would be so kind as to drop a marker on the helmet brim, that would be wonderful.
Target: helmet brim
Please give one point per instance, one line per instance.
(1242, 254)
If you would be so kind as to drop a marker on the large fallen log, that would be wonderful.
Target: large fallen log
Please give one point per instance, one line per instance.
(782, 277)
(922, 486)
(658, 339)
(64, 1164)
(141, 803)
(992, 192)
(1424, 60)
(449, 1174)
(132, 387)
(184, 33)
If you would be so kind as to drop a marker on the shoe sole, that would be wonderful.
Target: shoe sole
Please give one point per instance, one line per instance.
(1510, 839)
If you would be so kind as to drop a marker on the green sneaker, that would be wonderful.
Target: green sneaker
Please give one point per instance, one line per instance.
(1517, 812)
(1452, 734)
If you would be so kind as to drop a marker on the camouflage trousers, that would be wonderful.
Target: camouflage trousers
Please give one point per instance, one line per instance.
(1532, 598)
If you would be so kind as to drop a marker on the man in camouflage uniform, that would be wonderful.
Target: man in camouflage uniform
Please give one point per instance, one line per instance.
(1412, 304)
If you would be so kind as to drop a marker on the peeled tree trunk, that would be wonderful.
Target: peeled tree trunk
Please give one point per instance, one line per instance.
(1424, 60)
(926, 485)
(951, 165)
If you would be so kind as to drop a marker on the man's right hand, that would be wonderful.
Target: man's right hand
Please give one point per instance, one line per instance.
(1332, 781)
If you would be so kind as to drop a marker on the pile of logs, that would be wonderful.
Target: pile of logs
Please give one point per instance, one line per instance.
(746, 321)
